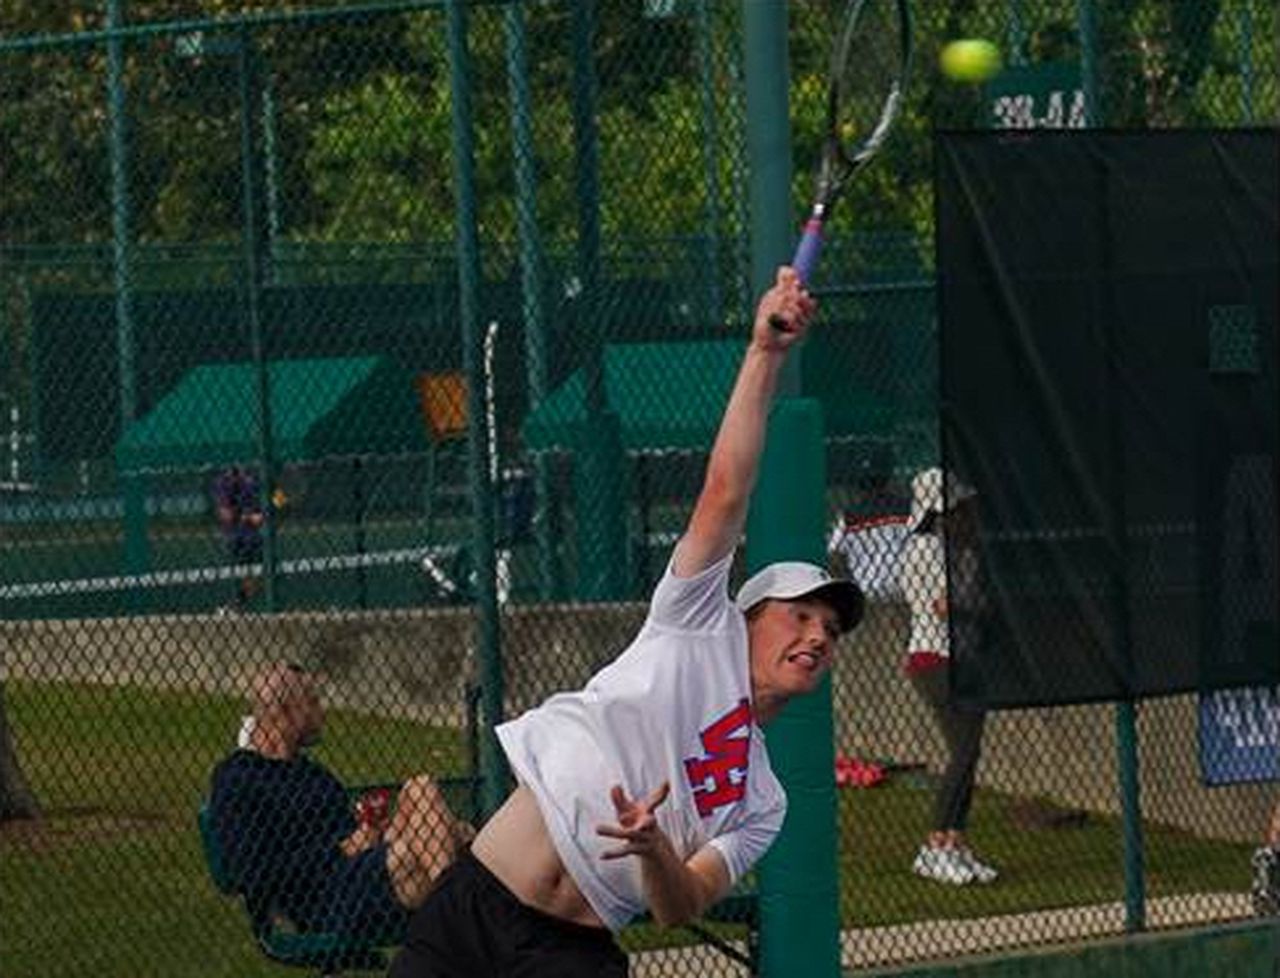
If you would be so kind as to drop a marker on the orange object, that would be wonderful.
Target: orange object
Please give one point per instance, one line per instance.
(443, 399)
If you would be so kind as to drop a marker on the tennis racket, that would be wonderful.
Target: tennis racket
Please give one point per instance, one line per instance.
(869, 67)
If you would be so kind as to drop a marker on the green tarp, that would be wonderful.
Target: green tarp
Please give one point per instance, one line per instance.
(670, 396)
(319, 408)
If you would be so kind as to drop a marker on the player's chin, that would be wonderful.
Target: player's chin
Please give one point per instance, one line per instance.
(804, 679)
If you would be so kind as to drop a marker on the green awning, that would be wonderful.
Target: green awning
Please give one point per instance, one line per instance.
(670, 396)
(319, 408)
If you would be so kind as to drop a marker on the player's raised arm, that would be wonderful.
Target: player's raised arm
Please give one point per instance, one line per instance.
(782, 317)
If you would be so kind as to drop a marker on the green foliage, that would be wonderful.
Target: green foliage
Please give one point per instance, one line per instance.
(362, 127)
(379, 163)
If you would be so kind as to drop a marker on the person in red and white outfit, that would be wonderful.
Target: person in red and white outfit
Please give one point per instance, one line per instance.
(868, 537)
(934, 527)
(650, 790)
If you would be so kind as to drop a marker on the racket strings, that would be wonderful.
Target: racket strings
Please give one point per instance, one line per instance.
(867, 71)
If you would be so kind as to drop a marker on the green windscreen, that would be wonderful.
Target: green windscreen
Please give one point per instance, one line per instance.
(1108, 350)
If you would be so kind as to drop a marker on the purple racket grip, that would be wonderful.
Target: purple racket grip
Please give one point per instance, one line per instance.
(808, 250)
(805, 260)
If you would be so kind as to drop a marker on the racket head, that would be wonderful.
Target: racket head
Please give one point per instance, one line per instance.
(870, 64)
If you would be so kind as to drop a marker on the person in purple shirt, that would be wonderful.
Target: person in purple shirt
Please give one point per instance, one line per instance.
(237, 506)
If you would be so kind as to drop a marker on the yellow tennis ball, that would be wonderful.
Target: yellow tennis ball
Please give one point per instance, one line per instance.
(970, 60)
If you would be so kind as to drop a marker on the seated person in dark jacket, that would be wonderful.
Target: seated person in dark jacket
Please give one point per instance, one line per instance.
(290, 835)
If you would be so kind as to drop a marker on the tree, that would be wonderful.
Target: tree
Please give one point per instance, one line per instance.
(16, 798)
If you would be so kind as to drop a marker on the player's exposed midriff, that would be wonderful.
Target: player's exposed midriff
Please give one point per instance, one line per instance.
(515, 846)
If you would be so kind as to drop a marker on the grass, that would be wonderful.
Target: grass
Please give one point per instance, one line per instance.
(114, 883)
(1040, 868)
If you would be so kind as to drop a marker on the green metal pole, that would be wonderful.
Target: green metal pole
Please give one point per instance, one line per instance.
(799, 882)
(1135, 897)
(1016, 33)
(1126, 717)
(254, 242)
(121, 217)
(493, 768)
(742, 285)
(39, 466)
(711, 164)
(587, 192)
(1246, 62)
(271, 173)
(1087, 27)
(532, 276)
(137, 555)
(9, 383)
(598, 469)
(768, 148)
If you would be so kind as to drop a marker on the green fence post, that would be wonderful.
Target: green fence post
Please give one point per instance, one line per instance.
(768, 130)
(1015, 32)
(1126, 721)
(254, 261)
(601, 527)
(137, 551)
(1087, 27)
(493, 768)
(799, 882)
(10, 397)
(1245, 16)
(271, 175)
(710, 163)
(532, 276)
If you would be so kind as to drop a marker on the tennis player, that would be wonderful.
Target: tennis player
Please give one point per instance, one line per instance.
(650, 789)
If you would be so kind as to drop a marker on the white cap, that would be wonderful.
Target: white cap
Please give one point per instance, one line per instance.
(926, 495)
(791, 579)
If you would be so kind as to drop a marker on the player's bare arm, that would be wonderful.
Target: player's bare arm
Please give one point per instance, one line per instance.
(782, 318)
(677, 891)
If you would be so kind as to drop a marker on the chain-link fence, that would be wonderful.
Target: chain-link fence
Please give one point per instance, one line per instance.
(390, 340)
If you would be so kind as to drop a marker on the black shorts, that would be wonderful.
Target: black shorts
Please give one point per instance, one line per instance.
(361, 900)
(474, 927)
(245, 548)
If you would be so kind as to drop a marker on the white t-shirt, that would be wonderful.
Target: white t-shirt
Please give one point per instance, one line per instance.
(924, 582)
(675, 706)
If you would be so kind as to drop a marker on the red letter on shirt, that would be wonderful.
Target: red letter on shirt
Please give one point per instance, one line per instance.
(719, 777)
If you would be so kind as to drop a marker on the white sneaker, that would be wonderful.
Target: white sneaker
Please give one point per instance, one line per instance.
(982, 873)
(943, 866)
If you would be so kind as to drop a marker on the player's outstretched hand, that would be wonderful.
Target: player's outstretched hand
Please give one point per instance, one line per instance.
(784, 312)
(637, 825)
